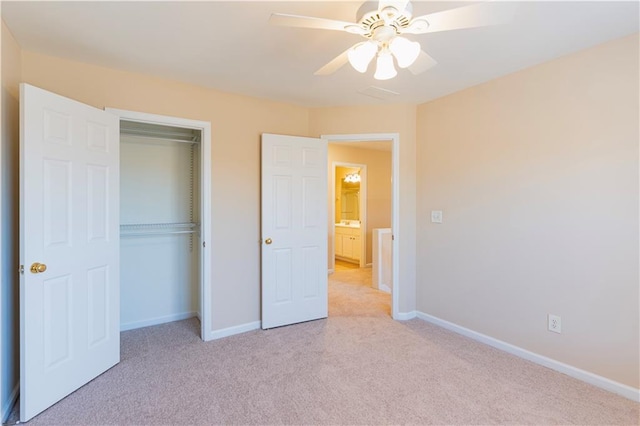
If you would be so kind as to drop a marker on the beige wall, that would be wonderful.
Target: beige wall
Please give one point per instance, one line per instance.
(236, 122)
(378, 187)
(537, 176)
(385, 119)
(9, 339)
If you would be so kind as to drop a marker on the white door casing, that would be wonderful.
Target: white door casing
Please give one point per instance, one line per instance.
(69, 215)
(206, 332)
(294, 230)
(398, 287)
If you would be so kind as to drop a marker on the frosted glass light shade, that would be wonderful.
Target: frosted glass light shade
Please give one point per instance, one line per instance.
(384, 67)
(361, 55)
(405, 51)
(352, 178)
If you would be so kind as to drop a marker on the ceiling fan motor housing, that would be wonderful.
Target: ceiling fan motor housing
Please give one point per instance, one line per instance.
(370, 18)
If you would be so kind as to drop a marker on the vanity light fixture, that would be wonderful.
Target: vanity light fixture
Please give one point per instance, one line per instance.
(352, 178)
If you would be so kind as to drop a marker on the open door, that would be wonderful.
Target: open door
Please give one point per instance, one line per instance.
(294, 230)
(69, 247)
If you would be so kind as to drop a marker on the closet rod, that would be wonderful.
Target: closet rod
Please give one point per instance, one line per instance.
(141, 234)
(158, 225)
(150, 132)
(158, 138)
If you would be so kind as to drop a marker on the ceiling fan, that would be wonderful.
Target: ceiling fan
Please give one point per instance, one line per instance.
(383, 24)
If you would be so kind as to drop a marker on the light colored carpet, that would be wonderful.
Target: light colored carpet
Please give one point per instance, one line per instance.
(341, 265)
(356, 367)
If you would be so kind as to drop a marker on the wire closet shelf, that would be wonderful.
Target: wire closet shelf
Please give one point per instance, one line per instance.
(148, 229)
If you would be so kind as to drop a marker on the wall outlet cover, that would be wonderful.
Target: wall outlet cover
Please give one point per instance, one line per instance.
(554, 323)
(436, 216)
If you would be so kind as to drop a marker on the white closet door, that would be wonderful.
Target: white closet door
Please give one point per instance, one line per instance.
(69, 246)
(294, 230)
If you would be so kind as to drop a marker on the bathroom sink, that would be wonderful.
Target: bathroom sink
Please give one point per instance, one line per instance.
(349, 224)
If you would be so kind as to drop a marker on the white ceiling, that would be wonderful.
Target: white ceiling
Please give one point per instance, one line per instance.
(231, 47)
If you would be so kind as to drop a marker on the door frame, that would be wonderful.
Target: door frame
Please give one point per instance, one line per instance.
(206, 333)
(362, 206)
(395, 201)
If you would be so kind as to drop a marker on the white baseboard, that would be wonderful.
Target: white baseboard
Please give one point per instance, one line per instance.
(585, 376)
(368, 265)
(405, 316)
(330, 271)
(157, 320)
(237, 329)
(387, 289)
(10, 402)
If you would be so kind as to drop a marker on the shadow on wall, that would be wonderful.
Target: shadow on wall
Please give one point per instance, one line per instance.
(10, 249)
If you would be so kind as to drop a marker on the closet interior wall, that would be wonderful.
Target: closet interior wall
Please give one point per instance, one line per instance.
(160, 241)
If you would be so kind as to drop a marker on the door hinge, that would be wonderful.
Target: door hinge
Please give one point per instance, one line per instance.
(204, 244)
(21, 269)
(393, 237)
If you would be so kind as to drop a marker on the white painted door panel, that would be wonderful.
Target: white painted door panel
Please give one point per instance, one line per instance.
(69, 207)
(294, 219)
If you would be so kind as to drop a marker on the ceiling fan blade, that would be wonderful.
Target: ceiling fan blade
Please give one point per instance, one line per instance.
(334, 65)
(285, 20)
(423, 63)
(400, 5)
(477, 15)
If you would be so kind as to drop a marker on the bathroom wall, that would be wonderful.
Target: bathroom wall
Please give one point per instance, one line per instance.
(378, 186)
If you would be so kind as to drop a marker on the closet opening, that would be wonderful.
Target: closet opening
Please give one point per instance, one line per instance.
(164, 211)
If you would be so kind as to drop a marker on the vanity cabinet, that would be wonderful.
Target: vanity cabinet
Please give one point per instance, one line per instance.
(347, 243)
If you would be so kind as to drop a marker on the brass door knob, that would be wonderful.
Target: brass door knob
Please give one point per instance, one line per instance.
(268, 241)
(38, 268)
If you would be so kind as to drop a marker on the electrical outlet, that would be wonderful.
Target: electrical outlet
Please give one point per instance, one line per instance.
(555, 323)
(436, 216)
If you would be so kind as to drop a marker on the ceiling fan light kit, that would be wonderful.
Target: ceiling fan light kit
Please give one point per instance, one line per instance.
(384, 22)
(384, 66)
(405, 51)
(361, 55)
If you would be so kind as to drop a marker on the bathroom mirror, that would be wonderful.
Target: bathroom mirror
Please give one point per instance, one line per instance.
(347, 193)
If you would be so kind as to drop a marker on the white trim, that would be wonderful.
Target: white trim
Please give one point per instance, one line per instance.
(10, 402)
(205, 212)
(157, 320)
(577, 373)
(385, 288)
(145, 117)
(405, 316)
(237, 329)
(395, 202)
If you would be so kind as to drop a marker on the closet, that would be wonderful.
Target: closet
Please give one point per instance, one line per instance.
(160, 223)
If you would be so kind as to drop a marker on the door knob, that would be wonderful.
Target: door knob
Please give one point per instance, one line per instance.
(268, 241)
(37, 268)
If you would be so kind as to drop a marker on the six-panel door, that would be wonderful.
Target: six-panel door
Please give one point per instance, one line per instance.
(294, 230)
(69, 246)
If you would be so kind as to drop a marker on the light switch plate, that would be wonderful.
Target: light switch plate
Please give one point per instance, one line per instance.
(436, 216)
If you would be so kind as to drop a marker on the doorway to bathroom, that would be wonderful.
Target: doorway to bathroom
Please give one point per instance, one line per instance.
(363, 199)
(349, 208)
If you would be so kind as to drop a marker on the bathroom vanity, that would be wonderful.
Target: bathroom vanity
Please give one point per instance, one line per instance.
(347, 245)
